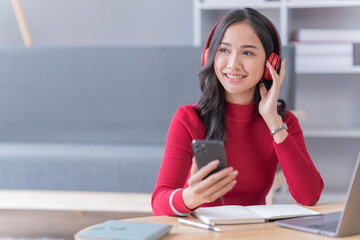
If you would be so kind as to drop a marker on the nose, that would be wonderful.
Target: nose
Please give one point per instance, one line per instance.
(234, 62)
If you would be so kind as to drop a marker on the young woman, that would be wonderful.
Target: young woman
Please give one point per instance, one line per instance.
(239, 106)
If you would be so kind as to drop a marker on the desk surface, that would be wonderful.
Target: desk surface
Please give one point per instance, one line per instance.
(76, 201)
(247, 231)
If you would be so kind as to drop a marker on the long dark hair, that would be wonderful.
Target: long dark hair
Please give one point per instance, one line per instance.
(212, 104)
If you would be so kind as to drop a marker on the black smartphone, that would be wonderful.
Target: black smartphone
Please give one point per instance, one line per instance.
(206, 151)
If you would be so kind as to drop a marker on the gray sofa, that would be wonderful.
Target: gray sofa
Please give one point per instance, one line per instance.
(93, 119)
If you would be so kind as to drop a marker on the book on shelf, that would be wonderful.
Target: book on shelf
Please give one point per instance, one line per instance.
(357, 54)
(315, 60)
(233, 1)
(300, 1)
(236, 214)
(323, 48)
(327, 35)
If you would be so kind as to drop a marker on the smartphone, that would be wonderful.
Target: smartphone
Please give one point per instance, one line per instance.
(206, 151)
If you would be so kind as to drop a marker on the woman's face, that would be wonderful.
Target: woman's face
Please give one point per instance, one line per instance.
(239, 62)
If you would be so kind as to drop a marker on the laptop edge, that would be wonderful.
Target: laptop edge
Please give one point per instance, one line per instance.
(348, 218)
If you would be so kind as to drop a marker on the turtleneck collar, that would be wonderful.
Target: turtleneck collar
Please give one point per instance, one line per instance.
(239, 112)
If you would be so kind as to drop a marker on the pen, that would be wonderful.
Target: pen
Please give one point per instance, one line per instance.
(199, 225)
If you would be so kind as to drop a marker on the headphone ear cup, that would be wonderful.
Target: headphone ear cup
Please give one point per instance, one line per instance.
(205, 56)
(274, 60)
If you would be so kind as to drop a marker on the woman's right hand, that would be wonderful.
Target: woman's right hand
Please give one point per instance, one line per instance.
(206, 190)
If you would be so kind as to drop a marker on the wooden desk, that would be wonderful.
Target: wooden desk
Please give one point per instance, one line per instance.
(246, 231)
(59, 214)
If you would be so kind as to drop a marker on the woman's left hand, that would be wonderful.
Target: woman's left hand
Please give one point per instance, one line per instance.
(269, 99)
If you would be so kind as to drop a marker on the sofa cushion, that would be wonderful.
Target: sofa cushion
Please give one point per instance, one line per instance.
(81, 167)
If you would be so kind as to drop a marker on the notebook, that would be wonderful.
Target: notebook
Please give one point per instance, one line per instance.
(336, 224)
(121, 230)
(236, 214)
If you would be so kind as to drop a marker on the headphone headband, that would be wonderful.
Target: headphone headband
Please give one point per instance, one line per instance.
(276, 34)
(206, 50)
(212, 33)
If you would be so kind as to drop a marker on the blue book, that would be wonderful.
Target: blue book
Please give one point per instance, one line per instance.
(121, 230)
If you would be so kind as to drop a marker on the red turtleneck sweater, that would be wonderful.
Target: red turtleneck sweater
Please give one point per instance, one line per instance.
(249, 148)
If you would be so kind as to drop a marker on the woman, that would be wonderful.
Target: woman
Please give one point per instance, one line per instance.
(239, 106)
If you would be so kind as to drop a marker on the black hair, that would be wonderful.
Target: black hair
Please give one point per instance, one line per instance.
(212, 104)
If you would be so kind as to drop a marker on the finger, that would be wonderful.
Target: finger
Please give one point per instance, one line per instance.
(273, 73)
(219, 185)
(194, 167)
(279, 77)
(268, 65)
(263, 91)
(214, 183)
(204, 183)
(223, 191)
(282, 71)
(207, 185)
(203, 172)
(193, 171)
(221, 188)
(275, 77)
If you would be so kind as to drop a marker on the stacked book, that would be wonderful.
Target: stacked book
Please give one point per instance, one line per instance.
(327, 49)
(233, 1)
(297, 1)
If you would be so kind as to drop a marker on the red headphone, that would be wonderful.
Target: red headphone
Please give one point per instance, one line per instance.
(274, 58)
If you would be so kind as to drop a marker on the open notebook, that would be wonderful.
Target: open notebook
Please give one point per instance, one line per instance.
(236, 214)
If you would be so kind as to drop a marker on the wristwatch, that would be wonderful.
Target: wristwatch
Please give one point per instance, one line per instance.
(284, 126)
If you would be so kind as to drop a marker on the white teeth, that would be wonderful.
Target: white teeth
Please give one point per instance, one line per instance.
(235, 77)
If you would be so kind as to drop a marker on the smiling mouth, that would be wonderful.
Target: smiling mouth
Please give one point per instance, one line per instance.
(234, 77)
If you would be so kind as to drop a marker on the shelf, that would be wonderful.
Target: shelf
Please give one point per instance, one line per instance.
(325, 70)
(331, 132)
(231, 4)
(283, 6)
(322, 4)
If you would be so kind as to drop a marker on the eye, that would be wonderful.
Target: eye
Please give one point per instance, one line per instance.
(248, 53)
(223, 50)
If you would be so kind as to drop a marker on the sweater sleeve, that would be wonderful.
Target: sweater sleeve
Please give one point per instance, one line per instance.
(174, 169)
(305, 182)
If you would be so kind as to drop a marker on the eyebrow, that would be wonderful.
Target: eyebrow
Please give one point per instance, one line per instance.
(242, 46)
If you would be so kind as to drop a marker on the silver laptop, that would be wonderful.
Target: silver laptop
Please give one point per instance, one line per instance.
(336, 224)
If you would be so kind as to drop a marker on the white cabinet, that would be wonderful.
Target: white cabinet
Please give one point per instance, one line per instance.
(283, 8)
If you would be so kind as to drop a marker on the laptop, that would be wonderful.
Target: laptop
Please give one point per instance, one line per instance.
(337, 224)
